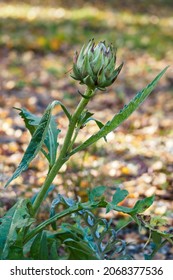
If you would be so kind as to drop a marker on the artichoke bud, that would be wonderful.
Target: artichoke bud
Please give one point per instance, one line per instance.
(94, 66)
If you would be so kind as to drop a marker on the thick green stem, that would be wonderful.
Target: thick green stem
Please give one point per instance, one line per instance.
(46, 223)
(73, 140)
(64, 213)
(63, 156)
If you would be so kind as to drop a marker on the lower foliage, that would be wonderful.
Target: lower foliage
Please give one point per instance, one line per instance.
(85, 237)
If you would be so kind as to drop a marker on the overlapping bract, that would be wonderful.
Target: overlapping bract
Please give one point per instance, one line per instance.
(94, 66)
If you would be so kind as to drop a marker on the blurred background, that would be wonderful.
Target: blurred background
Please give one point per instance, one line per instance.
(37, 43)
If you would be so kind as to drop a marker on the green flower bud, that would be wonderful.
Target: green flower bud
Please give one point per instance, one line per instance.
(94, 66)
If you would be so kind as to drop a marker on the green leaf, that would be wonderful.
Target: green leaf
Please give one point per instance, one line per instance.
(56, 102)
(87, 117)
(142, 205)
(96, 192)
(99, 124)
(68, 202)
(32, 122)
(84, 117)
(100, 235)
(139, 207)
(156, 237)
(35, 144)
(67, 231)
(122, 115)
(53, 219)
(51, 141)
(38, 138)
(74, 243)
(154, 224)
(13, 228)
(44, 246)
(119, 196)
(53, 250)
(50, 189)
(79, 250)
(158, 221)
(39, 248)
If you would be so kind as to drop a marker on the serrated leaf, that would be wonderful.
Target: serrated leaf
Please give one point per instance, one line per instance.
(12, 227)
(37, 140)
(35, 144)
(122, 115)
(32, 122)
(100, 235)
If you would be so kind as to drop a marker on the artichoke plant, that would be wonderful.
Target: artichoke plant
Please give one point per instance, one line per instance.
(94, 66)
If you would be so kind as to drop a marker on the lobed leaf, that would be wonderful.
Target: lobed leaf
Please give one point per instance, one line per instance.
(43, 132)
(31, 122)
(35, 144)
